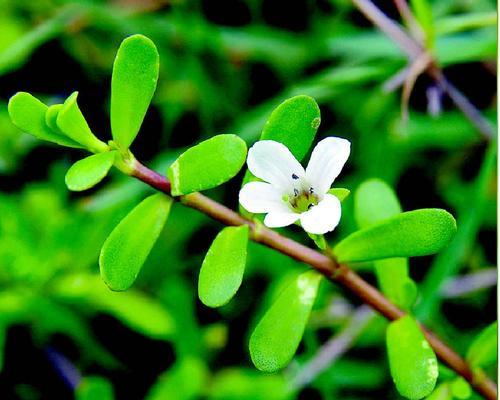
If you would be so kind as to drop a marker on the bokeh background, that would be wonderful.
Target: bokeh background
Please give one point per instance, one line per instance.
(225, 65)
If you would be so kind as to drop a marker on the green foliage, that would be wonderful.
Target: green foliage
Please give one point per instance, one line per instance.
(294, 123)
(483, 350)
(28, 114)
(88, 172)
(72, 123)
(135, 73)
(223, 267)
(207, 165)
(375, 201)
(128, 246)
(460, 388)
(186, 380)
(340, 193)
(412, 361)
(94, 387)
(277, 335)
(409, 234)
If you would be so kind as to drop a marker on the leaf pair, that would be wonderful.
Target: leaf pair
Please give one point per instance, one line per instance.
(63, 124)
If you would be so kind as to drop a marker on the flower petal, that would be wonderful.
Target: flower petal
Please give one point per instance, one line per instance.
(261, 197)
(327, 160)
(272, 162)
(278, 219)
(323, 217)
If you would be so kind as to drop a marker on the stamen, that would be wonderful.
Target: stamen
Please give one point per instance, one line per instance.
(311, 190)
(296, 192)
(294, 176)
(310, 206)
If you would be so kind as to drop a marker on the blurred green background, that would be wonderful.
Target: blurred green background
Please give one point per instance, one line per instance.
(225, 64)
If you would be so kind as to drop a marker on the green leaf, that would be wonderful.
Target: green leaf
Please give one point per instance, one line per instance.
(483, 350)
(340, 193)
(460, 388)
(374, 201)
(412, 361)
(319, 240)
(409, 234)
(423, 12)
(51, 117)
(94, 387)
(72, 123)
(90, 171)
(277, 336)
(186, 380)
(294, 123)
(395, 283)
(28, 114)
(133, 83)
(127, 247)
(207, 165)
(222, 270)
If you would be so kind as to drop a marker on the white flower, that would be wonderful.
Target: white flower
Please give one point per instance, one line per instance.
(289, 193)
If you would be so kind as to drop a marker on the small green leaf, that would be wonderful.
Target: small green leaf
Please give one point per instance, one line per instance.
(277, 336)
(374, 201)
(133, 83)
(90, 171)
(51, 117)
(94, 387)
(72, 123)
(483, 350)
(319, 240)
(409, 234)
(127, 247)
(207, 165)
(294, 123)
(340, 193)
(28, 114)
(412, 361)
(222, 270)
(460, 388)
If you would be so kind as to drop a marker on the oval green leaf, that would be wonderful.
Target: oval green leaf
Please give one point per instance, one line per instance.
(127, 247)
(294, 123)
(207, 165)
(90, 171)
(28, 114)
(340, 193)
(277, 336)
(72, 123)
(412, 361)
(374, 201)
(483, 350)
(222, 270)
(409, 234)
(133, 83)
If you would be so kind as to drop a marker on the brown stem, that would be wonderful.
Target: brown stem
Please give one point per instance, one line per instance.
(325, 265)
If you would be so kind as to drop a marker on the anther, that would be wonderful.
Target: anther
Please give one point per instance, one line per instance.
(294, 176)
(311, 190)
(296, 192)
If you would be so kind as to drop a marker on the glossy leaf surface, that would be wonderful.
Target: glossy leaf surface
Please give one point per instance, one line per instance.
(277, 335)
(89, 171)
(223, 267)
(414, 233)
(127, 247)
(207, 165)
(412, 361)
(133, 83)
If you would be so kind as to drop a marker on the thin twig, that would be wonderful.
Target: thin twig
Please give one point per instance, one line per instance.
(471, 283)
(325, 265)
(334, 348)
(413, 49)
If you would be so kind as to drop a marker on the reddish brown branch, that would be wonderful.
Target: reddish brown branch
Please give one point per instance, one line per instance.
(325, 265)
